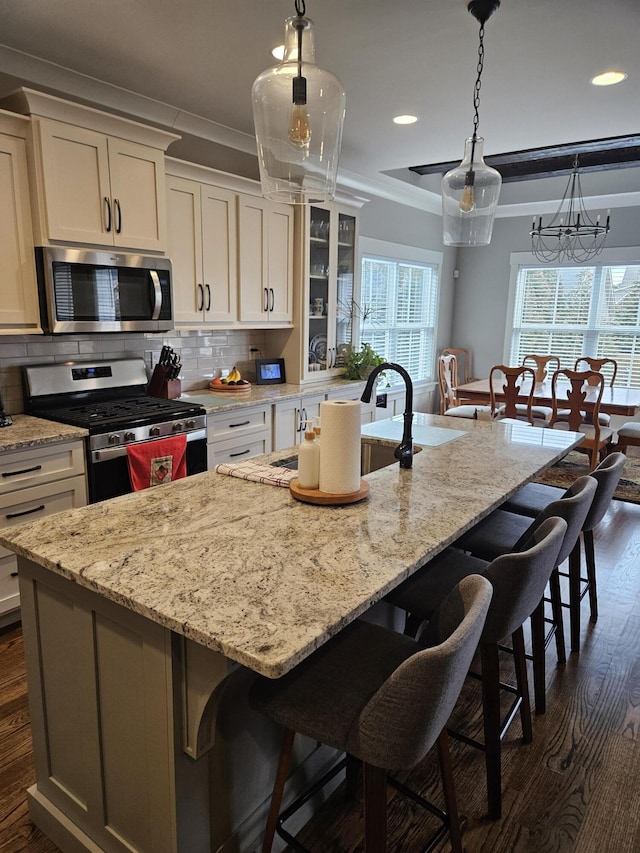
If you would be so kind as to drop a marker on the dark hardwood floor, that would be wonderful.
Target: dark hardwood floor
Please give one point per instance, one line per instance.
(575, 788)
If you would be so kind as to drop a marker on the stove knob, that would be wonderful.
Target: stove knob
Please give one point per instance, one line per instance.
(114, 438)
(154, 431)
(190, 424)
(129, 436)
(177, 427)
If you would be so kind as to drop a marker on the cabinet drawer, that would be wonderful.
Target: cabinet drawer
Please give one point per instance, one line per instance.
(24, 468)
(9, 596)
(38, 501)
(240, 422)
(236, 451)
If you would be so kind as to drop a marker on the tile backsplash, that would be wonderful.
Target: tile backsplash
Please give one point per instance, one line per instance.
(202, 352)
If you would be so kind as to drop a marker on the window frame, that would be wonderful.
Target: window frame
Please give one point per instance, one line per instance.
(399, 253)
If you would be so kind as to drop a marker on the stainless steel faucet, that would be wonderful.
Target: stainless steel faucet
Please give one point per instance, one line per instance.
(404, 451)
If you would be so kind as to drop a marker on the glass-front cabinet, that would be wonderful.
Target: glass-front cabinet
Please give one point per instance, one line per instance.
(330, 270)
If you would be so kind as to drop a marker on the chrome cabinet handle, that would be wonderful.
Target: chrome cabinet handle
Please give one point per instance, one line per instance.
(208, 297)
(157, 294)
(273, 298)
(107, 204)
(118, 210)
(201, 294)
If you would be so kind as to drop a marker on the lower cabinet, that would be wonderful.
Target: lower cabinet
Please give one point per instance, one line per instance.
(35, 483)
(239, 434)
(389, 403)
(289, 417)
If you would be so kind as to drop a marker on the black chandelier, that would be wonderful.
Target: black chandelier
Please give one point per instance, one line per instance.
(571, 235)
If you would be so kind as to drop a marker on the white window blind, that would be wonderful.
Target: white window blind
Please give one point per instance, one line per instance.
(398, 312)
(580, 311)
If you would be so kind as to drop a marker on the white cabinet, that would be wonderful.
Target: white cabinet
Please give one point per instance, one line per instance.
(35, 483)
(19, 303)
(238, 434)
(265, 251)
(367, 410)
(203, 248)
(289, 418)
(390, 403)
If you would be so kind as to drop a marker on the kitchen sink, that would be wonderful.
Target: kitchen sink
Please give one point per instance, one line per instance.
(373, 456)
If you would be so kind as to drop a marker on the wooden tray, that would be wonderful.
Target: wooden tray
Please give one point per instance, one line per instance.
(230, 388)
(315, 496)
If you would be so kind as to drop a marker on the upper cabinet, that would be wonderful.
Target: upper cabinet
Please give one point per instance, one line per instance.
(99, 179)
(202, 246)
(19, 303)
(265, 240)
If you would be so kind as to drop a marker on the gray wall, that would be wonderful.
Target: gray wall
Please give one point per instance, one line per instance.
(480, 304)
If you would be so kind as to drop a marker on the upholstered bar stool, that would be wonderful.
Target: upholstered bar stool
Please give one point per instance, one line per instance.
(504, 532)
(384, 699)
(534, 497)
(518, 581)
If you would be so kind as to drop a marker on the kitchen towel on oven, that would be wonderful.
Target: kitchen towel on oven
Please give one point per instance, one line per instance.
(248, 470)
(152, 463)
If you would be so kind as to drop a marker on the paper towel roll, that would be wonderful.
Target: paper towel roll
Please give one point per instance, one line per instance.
(340, 453)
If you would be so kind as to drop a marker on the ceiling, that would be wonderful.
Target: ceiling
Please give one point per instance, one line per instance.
(194, 62)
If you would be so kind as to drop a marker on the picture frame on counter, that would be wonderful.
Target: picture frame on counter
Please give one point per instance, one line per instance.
(270, 371)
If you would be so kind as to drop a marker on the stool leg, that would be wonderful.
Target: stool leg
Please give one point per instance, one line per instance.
(539, 662)
(375, 809)
(522, 683)
(278, 789)
(491, 719)
(449, 789)
(590, 560)
(556, 607)
(574, 596)
(352, 770)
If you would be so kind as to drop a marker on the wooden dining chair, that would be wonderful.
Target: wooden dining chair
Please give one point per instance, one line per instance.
(543, 363)
(463, 356)
(569, 412)
(511, 384)
(608, 367)
(628, 436)
(448, 383)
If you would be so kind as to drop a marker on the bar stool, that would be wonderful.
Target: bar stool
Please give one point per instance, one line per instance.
(518, 581)
(384, 699)
(534, 497)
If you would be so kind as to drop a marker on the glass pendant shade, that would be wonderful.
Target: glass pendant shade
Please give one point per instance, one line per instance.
(470, 195)
(298, 143)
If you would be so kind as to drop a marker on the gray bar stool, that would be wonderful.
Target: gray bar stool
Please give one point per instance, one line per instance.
(382, 698)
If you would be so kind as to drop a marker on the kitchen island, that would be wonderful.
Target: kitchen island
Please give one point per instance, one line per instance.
(143, 615)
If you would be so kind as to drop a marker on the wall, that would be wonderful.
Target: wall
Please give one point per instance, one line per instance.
(201, 351)
(480, 303)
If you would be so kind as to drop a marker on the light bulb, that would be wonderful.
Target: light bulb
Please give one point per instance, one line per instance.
(468, 200)
(299, 129)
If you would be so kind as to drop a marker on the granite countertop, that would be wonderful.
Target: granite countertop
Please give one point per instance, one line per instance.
(243, 568)
(29, 432)
(214, 401)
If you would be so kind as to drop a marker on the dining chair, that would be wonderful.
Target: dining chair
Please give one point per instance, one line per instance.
(534, 497)
(542, 364)
(382, 698)
(569, 412)
(508, 383)
(628, 436)
(518, 581)
(463, 356)
(448, 383)
(503, 532)
(609, 369)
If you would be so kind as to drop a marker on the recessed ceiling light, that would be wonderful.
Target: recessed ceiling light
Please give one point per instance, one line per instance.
(406, 119)
(609, 78)
(278, 52)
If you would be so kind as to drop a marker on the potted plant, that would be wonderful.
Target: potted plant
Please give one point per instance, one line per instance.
(360, 363)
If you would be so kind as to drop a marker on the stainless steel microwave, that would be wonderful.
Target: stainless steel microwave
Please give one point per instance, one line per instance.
(82, 290)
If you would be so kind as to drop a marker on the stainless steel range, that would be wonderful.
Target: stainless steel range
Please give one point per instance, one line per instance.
(109, 398)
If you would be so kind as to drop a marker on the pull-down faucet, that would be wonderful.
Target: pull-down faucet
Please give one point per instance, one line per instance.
(404, 451)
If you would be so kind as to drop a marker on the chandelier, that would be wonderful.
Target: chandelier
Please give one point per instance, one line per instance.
(571, 235)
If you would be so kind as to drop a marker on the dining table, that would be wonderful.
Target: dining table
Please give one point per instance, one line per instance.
(615, 399)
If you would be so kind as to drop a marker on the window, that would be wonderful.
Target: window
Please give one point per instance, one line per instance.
(575, 311)
(399, 305)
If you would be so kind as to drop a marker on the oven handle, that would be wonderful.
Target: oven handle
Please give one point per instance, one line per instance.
(157, 291)
(108, 453)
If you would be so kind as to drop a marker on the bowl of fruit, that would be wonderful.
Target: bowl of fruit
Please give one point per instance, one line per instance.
(233, 382)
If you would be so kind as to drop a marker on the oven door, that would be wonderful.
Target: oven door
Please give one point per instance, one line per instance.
(108, 472)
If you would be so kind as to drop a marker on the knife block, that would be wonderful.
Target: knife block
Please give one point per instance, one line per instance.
(160, 386)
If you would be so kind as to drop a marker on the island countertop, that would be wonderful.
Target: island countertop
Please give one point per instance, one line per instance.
(245, 569)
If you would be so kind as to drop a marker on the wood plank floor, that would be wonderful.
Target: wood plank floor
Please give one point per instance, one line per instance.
(575, 788)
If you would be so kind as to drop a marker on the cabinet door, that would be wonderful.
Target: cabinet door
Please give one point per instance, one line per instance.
(280, 263)
(289, 417)
(138, 195)
(19, 303)
(219, 252)
(252, 255)
(75, 166)
(185, 249)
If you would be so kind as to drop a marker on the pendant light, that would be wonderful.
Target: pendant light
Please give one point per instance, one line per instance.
(298, 111)
(470, 191)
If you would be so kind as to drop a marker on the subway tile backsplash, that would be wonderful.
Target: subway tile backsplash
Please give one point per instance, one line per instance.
(202, 353)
